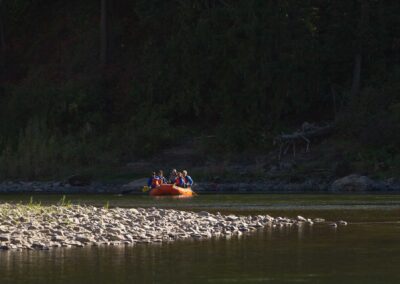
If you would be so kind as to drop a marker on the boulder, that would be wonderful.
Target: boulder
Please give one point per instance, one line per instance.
(392, 184)
(353, 183)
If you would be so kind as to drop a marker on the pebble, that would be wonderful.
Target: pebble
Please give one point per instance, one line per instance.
(4, 238)
(301, 218)
(47, 227)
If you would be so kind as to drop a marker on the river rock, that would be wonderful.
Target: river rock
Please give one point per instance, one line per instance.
(231, 218)
(57, 238)
(16, 241)
(4, 246)
(83, 239)
(40, 246)
(301, 218)
(4, 238)
(45, 227)
(3, 230)
(114, 237)
(352, 183)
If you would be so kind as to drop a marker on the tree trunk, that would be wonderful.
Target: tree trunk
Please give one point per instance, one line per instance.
(103, 34)
(333, 92)
(2, 50)
(355, 87)
(361, 46)
(2, 41)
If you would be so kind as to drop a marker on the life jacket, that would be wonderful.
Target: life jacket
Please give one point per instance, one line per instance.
(156, 181)
(163, 180)
(188, 180)
(172, 178)
(179, 181)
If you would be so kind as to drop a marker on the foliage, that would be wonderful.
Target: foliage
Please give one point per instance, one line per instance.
(238, 70)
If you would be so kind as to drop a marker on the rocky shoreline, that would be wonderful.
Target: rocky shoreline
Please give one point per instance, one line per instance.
(37, 227)
(58, 187)
(351, 183)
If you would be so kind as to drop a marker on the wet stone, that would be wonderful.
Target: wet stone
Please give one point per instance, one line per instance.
(4, 238)
(78, 226)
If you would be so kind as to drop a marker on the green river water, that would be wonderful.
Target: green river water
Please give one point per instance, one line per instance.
(365, 251)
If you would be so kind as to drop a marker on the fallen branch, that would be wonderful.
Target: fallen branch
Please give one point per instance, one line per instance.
(305, 134)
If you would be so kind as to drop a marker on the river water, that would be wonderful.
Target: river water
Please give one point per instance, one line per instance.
(365, 251)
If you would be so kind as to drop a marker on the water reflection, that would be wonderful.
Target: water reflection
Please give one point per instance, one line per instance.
(289, 253)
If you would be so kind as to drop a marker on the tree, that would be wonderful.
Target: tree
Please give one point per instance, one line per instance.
(103, 34)
(2, 41)
(360, 43)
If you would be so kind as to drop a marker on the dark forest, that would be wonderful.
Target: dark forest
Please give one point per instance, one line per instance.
(86, 83)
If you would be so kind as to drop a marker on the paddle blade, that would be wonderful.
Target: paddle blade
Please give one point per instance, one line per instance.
(145, 188)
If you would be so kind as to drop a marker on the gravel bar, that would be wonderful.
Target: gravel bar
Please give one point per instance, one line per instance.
(39, 227)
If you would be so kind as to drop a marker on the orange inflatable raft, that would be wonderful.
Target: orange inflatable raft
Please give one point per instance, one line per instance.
(171, 189)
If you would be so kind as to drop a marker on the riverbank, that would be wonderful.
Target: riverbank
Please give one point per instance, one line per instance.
(33, 226)
(324, 169)
(351, 183)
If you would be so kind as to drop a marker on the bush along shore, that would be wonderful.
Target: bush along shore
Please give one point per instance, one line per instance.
(33, 226)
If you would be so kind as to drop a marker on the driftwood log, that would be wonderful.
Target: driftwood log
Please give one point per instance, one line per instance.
(305, 135)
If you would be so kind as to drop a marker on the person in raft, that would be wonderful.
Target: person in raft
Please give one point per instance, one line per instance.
(180, 181)
(187, 179)
(150, 180)
(161, 176)
(173, 176)
(154, 181)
